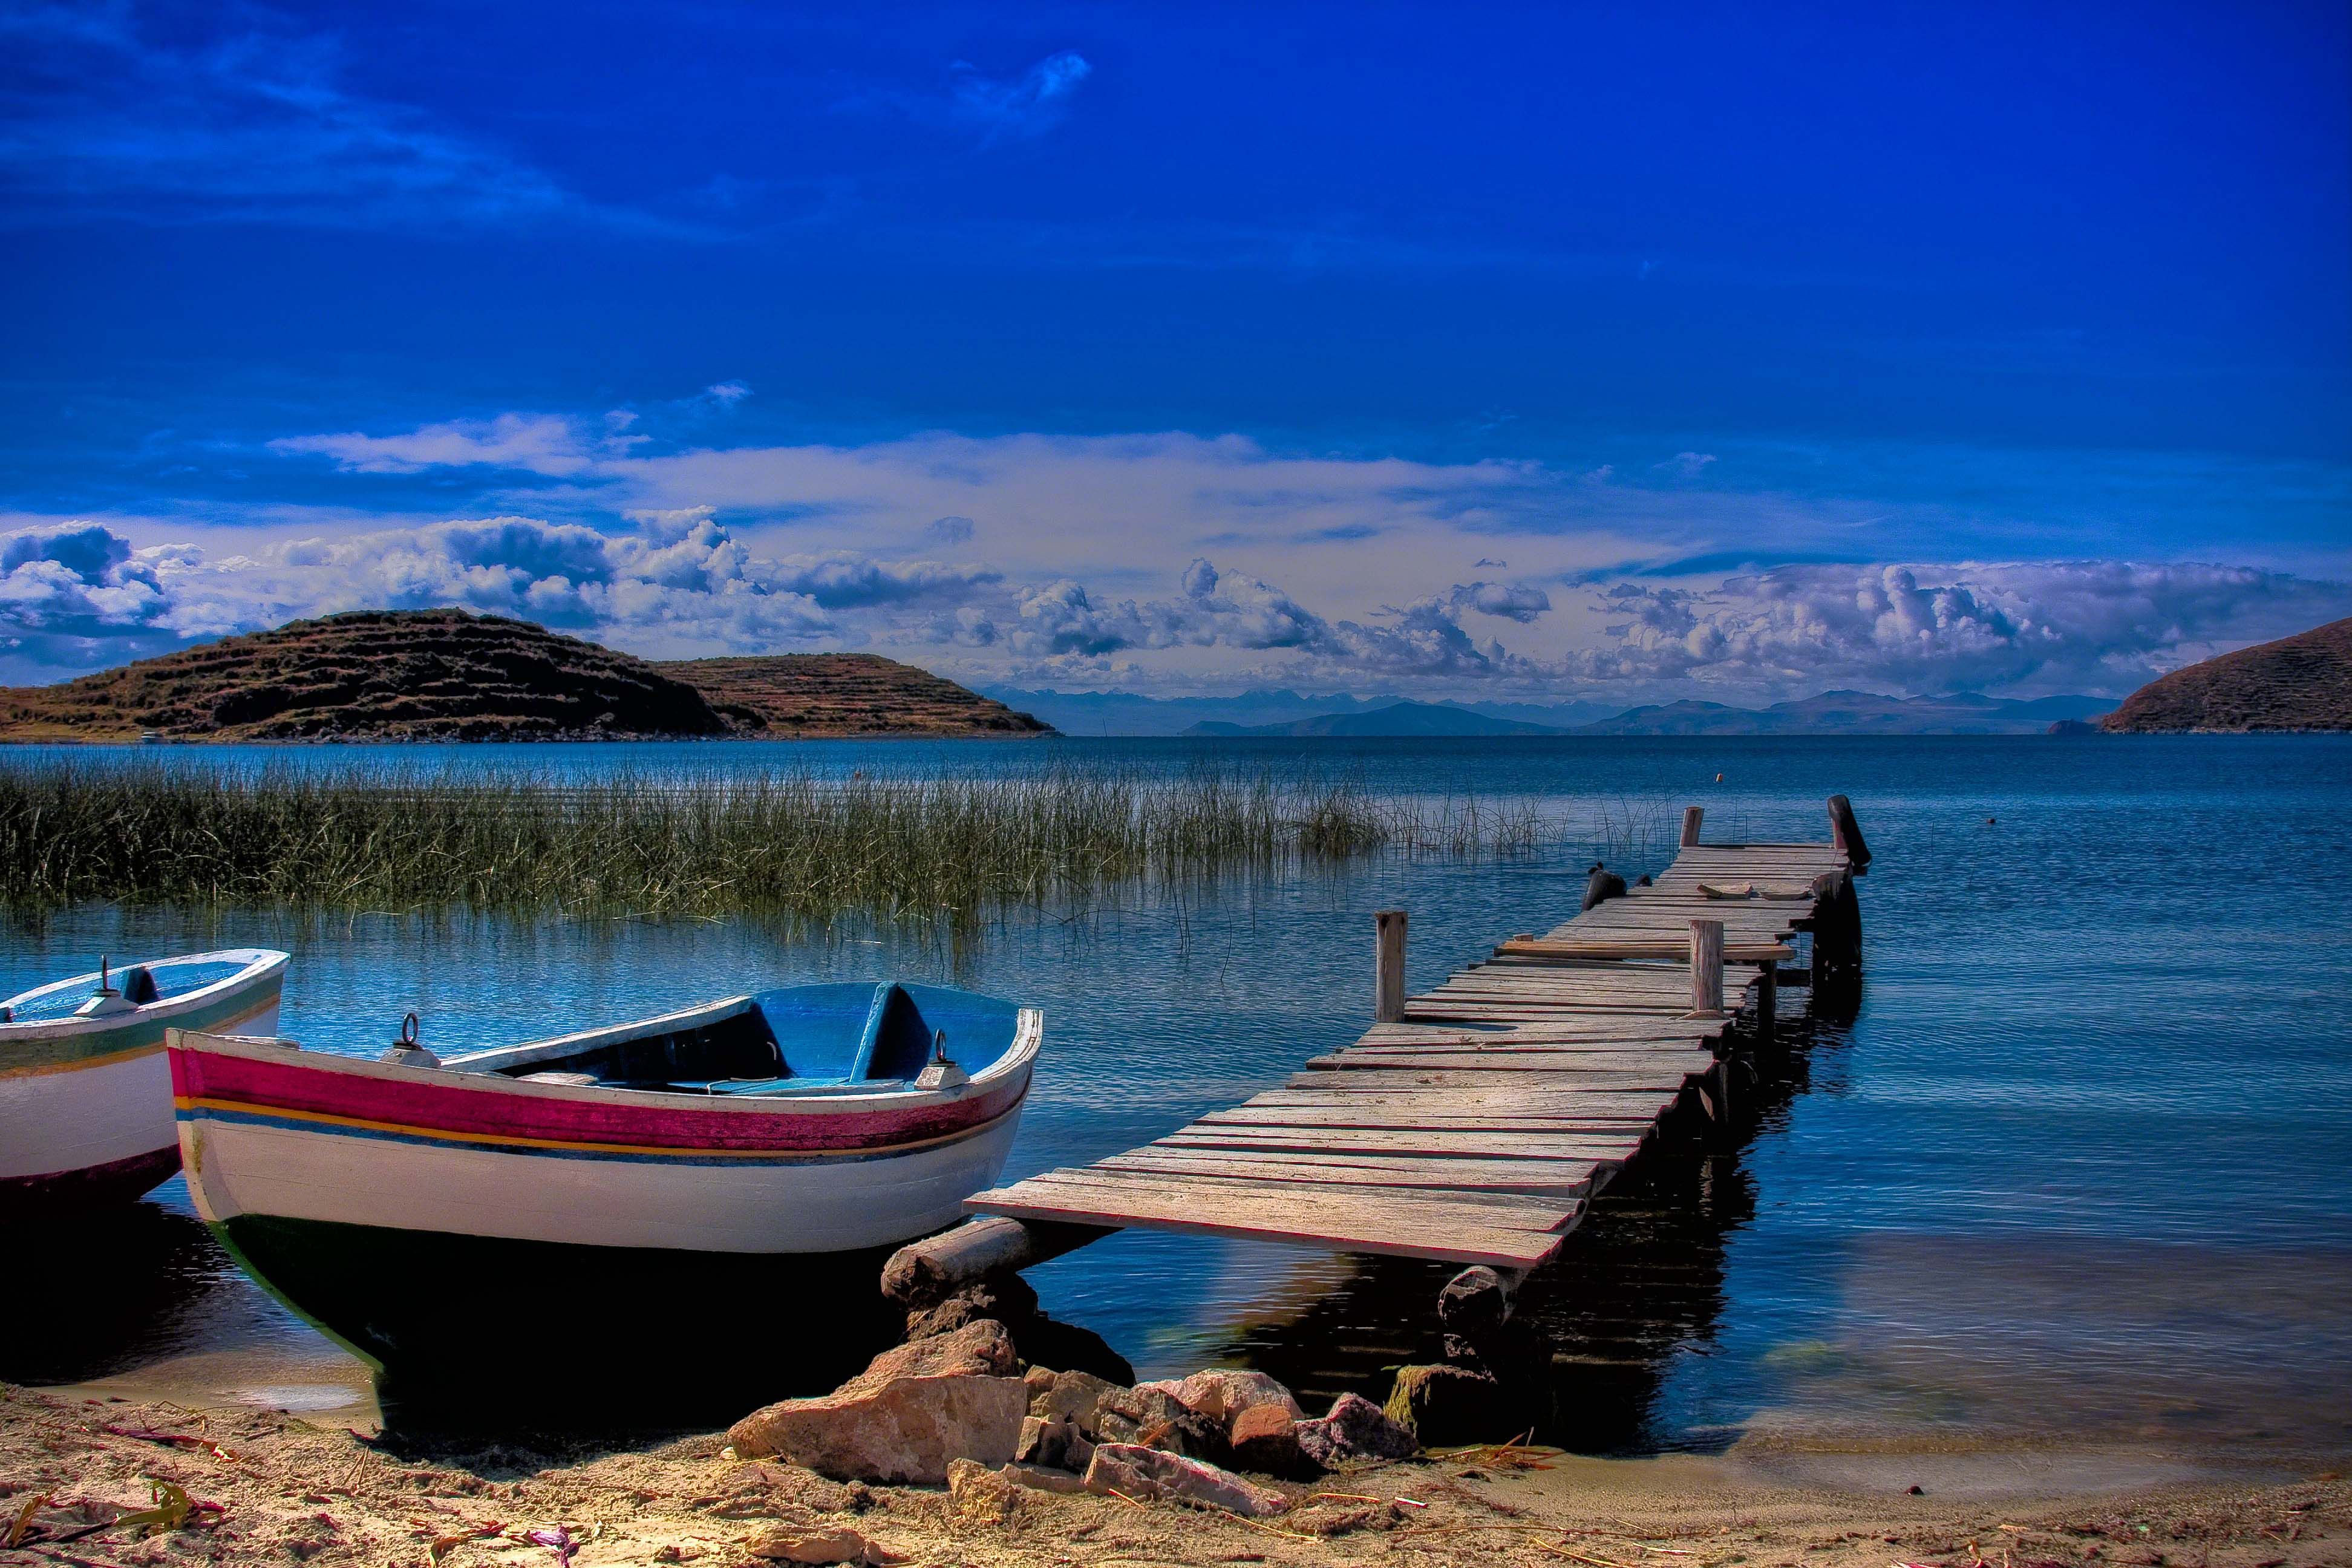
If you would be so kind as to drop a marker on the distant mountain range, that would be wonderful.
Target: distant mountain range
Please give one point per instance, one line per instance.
(1857, 714)
(1396, 718)
(1831, 713)
(1131, 714)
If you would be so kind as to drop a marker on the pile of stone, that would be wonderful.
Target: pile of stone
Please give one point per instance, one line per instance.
(962, 1406)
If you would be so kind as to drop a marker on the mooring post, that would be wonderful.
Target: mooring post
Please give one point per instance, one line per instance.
(1691, 817)
(1388, 975)
(1474, 1307)
(1706, 968)
(1846, 835)
(1836, 922)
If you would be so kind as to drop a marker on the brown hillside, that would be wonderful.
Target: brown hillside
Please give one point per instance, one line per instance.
(822, 694)
(2302, 682)
(371, 675)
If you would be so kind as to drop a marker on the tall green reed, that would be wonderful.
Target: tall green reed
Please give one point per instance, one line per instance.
(784, 843)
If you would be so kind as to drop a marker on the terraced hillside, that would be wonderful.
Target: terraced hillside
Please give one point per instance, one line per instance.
(447, 675)
(2302, 682)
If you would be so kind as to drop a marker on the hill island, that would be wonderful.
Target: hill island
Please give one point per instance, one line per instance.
(447, 675)
(2302, 682)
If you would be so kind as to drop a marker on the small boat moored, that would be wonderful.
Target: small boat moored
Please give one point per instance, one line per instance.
(650, 1156)
(85, 1093)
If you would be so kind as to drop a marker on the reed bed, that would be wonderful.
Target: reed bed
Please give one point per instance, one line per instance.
(769, 844)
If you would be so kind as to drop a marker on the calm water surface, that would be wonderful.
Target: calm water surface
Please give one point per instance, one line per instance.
(2077, 1163)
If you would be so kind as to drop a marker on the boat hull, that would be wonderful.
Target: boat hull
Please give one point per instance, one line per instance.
(460, 1326)
(246, 1159)
(89, 1120)
(267, 1129)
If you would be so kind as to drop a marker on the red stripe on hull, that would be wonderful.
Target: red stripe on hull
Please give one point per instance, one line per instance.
(116, 1181)
(495, 1112)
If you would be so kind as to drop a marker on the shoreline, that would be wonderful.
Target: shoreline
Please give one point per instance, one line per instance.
(304, 1488)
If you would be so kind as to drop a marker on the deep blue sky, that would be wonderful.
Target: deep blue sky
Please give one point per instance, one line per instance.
(1531, 328)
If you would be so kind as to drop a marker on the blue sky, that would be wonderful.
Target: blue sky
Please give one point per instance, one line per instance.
(1621, 351)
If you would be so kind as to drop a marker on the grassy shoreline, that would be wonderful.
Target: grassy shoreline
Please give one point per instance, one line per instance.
(792, 844)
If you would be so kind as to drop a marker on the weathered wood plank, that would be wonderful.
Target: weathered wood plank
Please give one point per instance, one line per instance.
(1234, 1194)
(1495, 1246)
(1376, 1080)
(1571, 1178)
(1532, 1060)
(1295, 1214)
(1612, 1148)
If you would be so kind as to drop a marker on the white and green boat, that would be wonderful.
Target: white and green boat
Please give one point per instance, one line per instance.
(85, 1093)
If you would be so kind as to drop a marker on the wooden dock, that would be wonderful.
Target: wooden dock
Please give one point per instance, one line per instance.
(1475, 1123)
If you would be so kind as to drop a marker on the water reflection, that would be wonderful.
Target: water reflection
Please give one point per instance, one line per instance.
(99, 1293)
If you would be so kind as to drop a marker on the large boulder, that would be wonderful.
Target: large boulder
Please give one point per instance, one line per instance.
(980, 1494)
(1154, 1418)
(1221, 1394)
(1355, 1429)
(1073, 1397)
(818, 1545)
(915, 1409)
(1266, 1440)
(1002, 1298)
(1053, 1445)
(1441, 1404)
(1149, 1474)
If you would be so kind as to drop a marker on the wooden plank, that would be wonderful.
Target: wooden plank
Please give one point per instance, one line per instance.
(1597, 1033)
(1292, 1215)
(1603, 1121)
(1441, 1107)
(1571, 1178)
(1374, 1080)
(1733, 952)
(1390, 1204)
(1612, 1148)
(1465, 1243)
(1532, 1060)
(1513, 1097)
(1454, 1077)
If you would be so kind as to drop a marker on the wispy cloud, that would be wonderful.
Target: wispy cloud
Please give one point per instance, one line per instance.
(98, 118)
(994, 109)
(1027, 105)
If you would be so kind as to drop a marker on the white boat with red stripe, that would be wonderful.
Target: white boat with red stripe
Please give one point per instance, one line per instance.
(810, 1119)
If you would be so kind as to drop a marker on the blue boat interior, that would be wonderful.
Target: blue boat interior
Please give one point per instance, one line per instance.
(797, 1038)
(138, 984)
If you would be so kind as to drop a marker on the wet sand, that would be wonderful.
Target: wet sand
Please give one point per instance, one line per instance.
(307, 1487)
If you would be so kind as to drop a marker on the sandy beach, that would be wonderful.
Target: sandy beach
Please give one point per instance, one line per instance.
(268, 1487)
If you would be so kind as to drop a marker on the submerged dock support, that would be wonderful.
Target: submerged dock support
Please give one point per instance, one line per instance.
(1388, 968)
(1474, 1307)
(927, 1272)
(1706, 969)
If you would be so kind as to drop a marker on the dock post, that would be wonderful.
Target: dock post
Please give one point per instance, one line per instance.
(1691, 817)
(1387, 976)
(1845, 833)
(1706, 968)
(927, 1272)
(1836, 923)
(1767, 1001)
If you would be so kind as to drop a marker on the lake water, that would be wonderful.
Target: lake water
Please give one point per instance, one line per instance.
(2077, 1164)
